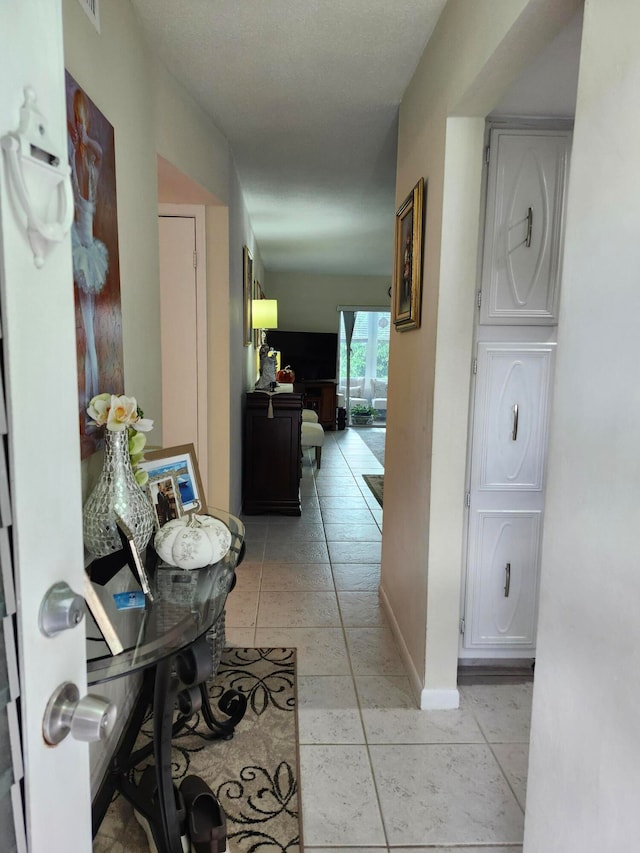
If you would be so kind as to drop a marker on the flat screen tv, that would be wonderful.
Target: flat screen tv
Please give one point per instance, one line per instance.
(312, 355)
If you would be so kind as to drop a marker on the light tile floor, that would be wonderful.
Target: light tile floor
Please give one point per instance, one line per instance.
(376, 772)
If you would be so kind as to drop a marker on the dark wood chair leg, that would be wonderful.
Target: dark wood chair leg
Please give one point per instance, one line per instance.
(318, 456)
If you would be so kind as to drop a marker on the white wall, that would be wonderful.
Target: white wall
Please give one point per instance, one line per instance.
(584, 772)
(309, 303)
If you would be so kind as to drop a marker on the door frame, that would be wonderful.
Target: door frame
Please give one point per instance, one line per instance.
(197, 213)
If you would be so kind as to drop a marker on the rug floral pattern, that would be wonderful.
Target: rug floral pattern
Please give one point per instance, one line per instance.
(254, 775)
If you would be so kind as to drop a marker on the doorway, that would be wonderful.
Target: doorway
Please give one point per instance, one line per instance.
(363, 356)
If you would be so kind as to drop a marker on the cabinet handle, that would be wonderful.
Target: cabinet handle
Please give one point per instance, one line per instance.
(527, 241)
(507, 584)
(514, 431)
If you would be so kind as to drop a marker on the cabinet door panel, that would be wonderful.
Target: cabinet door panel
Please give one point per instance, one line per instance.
(523, 231)
(512, 413)
(505, 549)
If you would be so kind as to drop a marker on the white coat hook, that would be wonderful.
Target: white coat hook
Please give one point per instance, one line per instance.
(30, 150)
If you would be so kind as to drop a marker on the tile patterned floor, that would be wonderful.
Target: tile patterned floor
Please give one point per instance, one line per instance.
(377, 774)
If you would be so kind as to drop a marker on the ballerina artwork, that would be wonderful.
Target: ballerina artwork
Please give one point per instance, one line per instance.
(94, 242)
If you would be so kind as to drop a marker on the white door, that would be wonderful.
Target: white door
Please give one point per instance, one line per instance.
(183, 332)
(524, 226)
(511, 418)
(43, 441)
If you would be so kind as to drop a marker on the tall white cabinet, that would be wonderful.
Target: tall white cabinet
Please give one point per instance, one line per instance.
(513, 376)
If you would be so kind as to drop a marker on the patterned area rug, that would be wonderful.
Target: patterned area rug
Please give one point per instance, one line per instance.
(376, 484)
(254, 775)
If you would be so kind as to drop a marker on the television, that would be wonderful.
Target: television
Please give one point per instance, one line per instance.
(312, 355)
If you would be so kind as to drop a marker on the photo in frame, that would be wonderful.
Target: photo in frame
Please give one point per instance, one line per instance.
(247, 266)
(134, 559)
(164, 494)
(407, 260)
(181, 465)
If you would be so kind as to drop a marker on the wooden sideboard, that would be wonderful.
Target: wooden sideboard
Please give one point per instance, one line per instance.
(272, 456)
(321, 397)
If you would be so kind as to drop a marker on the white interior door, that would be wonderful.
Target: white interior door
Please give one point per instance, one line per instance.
(42, 440)
(183, 329)
(511, 417)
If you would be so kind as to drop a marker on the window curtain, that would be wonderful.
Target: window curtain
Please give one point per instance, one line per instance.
(349, 319)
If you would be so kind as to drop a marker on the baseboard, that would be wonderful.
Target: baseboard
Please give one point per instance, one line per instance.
(414, 679)
(427, 699)
(436, 699)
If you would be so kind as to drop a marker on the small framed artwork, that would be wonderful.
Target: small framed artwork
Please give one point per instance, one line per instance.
(177, 466)
(407, 260)
(164, 494)
(257, 294)
(247, 267)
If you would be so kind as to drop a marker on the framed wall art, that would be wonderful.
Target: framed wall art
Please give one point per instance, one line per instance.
(257, 294)
(96, 267)
(407, 260)
(178, 465)
(247, 266)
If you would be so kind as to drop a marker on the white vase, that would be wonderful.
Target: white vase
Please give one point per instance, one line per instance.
(116, 493)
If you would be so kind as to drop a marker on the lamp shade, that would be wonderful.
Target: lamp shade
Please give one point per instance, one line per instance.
(264, 313)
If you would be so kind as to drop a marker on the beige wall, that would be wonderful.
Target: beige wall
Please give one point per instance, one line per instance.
(114, 70)
(584, 759)
(151, 114)
(309, 303)
(476, 51)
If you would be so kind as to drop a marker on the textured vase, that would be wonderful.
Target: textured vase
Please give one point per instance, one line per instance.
(116, 493)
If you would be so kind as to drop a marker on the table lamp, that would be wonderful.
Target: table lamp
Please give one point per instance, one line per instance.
(265, 316)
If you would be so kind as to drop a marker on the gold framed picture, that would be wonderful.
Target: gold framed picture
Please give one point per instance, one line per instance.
(247, 266)
(407, 260)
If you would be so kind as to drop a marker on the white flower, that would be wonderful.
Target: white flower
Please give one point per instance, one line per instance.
(123, 412)
(143, 424)
(99, 409)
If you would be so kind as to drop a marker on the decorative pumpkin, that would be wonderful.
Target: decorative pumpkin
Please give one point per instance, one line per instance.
(192, 542)
(286, 374)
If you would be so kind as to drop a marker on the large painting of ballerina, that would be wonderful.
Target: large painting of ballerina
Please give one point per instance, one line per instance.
(96, 268)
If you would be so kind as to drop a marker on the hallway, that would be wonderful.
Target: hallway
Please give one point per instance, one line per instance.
(376, 773)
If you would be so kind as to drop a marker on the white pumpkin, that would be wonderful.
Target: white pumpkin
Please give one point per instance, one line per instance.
(192, 542)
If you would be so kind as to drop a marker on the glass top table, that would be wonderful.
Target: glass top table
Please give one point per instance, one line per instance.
(186, 604)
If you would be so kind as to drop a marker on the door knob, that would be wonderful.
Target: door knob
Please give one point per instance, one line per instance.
(89, 719)
(61, 608)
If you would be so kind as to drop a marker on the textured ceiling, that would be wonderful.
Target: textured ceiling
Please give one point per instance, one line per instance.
(307, 93)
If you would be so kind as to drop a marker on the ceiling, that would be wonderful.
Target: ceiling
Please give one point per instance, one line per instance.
(307, 93)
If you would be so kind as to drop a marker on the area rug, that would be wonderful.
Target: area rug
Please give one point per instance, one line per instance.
(374, 438)
(376, 484)
(254, 775)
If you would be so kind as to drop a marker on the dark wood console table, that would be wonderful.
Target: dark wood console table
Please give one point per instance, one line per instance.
(272, 455)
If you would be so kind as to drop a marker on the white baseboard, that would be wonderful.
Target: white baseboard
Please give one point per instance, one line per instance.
(427, 699)
(435, 699)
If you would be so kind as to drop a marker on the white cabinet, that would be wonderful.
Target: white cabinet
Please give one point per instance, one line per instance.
(515, 348)
(511, 419)
(524, 226)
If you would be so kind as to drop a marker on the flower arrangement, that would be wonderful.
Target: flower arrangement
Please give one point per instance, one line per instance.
(118, 413)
